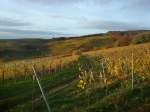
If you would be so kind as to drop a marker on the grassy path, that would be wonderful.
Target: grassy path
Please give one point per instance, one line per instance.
(21, 92)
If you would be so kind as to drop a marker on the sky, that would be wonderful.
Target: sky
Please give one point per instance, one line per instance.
(64, 18)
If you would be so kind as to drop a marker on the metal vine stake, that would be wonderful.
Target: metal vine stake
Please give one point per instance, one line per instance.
(132, 70)
(41, 89)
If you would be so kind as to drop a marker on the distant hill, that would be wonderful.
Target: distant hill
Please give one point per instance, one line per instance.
(30, 48)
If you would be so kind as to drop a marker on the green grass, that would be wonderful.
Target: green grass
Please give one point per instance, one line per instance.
(124, 100)
(71, 100)
(22, 91)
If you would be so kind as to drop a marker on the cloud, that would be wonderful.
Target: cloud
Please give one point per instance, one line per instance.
(67, 17)
(123, 5)
(72, 16)
(11, 22)
(145, 4)
(49, 2)
(28, 33)
(137, 5)
(112, 25)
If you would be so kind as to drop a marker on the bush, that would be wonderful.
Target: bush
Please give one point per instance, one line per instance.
(142, 38)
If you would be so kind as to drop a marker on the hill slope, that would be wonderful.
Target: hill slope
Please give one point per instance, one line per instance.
(31, 48)
(62, 86)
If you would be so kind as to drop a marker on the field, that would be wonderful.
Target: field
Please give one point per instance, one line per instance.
(107, 80)
(16, 70)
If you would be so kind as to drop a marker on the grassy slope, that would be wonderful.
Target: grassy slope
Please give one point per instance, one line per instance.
(22, 91)
(117, 99)
(31, 48)
(63, 95)
(61, 87)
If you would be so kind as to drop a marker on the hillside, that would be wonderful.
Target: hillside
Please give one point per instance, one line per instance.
(32, 48)
(99, 81)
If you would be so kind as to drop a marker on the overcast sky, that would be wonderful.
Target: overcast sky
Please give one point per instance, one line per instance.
(48, 18)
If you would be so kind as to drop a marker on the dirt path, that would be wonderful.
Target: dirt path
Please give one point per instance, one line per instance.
(51, 92)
